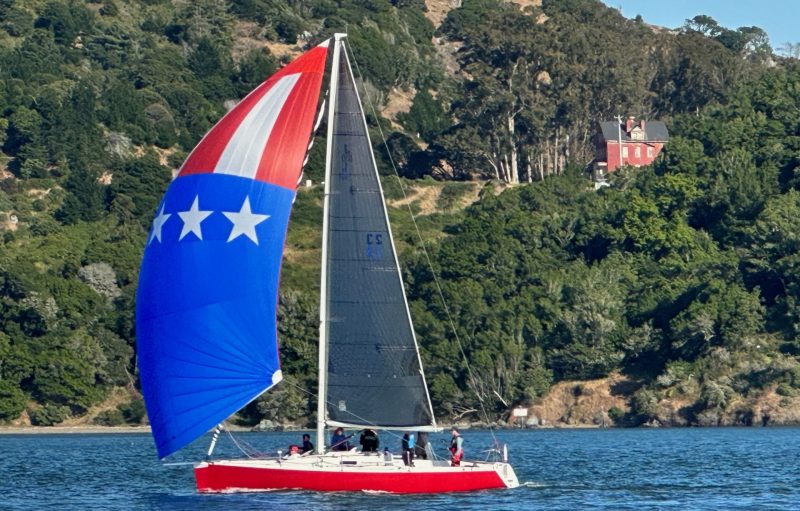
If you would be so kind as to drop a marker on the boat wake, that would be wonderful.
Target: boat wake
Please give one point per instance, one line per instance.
(246, 490)
(532, 484)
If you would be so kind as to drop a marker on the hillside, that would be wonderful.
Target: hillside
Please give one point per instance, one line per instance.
(680, 277)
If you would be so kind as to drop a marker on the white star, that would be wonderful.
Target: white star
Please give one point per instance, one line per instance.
(192, 219)
(244, 222)
(158, 223)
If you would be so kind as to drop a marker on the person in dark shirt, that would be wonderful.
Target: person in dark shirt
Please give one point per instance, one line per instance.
(307, 445)
(420, 444)
(339, 441)
(369, 441)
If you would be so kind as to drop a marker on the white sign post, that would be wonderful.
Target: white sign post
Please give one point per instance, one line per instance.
(519, 414)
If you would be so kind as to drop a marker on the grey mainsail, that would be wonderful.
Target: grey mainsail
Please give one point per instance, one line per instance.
(374, 375)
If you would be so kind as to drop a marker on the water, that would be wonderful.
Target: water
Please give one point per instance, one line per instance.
(618, 469)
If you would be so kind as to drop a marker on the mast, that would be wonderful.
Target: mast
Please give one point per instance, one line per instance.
(322, 393)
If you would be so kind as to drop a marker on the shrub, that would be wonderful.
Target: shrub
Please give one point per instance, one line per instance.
(452, 193)
(12, 400)
(616, 414)
(644, 404)
(48, 415)
(714, 395)
(109, 418)
(133, 412)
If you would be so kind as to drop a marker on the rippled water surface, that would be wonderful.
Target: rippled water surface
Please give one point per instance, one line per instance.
(558, 469)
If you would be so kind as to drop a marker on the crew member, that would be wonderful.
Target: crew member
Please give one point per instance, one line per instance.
(369, 441)
(307, 445)
(294, 451)
(456, 447)
(339, 441)
(420, 444)
(408, 449)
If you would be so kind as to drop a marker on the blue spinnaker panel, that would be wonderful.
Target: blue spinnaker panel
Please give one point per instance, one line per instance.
(206, 303)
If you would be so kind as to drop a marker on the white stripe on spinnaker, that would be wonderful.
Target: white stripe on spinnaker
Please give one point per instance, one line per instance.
(242, 155)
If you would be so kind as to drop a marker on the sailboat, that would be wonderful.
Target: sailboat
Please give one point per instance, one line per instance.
(208, 288)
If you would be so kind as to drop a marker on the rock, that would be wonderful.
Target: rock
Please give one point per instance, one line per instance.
(532, 422)
(601, 419)
(267, 425)
(710, 417)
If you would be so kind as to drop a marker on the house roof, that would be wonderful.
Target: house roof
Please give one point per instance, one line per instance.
(655, 131)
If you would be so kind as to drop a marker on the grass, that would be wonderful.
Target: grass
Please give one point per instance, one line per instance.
(453, 195)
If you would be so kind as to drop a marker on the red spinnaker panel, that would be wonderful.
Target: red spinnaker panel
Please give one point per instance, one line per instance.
(265, 137)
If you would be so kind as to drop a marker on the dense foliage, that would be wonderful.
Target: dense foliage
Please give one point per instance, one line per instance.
(682, 276)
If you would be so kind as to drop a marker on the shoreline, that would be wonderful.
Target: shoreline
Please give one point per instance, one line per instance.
(58, 430)
(93, 429)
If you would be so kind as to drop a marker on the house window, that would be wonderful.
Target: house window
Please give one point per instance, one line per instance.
(638, 152)
(649, 152)
(624, 151)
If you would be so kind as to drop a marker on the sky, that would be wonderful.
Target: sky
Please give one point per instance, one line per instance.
(779, 18)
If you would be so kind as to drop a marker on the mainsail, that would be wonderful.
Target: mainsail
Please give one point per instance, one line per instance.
(208, 288)
(374, 374)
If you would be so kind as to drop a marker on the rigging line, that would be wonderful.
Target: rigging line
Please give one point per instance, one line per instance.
(247, 449)
(424, 249)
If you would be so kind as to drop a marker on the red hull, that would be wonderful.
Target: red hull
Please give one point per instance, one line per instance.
(224, 477)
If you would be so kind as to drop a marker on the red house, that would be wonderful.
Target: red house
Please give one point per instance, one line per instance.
(634, 143)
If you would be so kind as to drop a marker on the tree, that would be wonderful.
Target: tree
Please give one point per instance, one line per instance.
(791, 50)
(706, 25)
(85, 197)
(771, 256)
(66, 370)
(12, 400)
(65, 21)
(426, 117)
(142, 181)
(254, 68)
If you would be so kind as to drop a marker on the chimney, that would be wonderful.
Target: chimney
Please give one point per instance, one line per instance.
(629, 124)
(641, 124)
